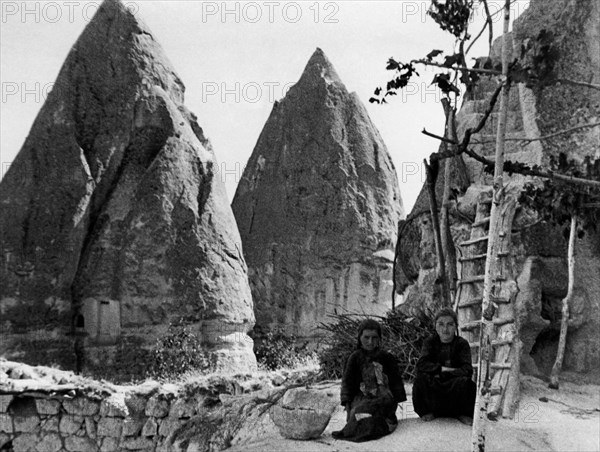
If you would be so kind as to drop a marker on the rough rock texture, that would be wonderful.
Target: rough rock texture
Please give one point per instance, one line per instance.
(416, 257)
(317, 207)
(44, 409)
(303, 413)
(112, 222)
(539, 250)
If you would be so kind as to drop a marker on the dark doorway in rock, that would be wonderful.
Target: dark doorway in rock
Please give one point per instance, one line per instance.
(545, 346)
(544, 349)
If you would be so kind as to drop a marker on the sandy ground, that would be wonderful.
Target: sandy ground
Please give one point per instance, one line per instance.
(568, 421)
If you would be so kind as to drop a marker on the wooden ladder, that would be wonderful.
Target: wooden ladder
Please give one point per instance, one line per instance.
(505, 342)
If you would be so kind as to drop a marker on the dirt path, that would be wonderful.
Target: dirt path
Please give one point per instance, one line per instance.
(568, 421)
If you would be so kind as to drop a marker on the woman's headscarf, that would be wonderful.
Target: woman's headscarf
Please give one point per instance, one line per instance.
(446, 312)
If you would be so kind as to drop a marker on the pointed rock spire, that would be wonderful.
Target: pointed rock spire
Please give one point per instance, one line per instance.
(318, 207)
(112, 222)
(319, 66)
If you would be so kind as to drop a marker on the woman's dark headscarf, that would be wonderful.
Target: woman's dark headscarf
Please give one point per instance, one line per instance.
(446, 312)
(368, 324)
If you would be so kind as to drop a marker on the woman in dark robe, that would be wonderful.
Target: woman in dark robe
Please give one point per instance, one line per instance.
(443, 386)
(372, 387)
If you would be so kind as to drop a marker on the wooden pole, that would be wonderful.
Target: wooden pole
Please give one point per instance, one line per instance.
(564, 321)
(395, 264)
(431, 178)
(480, 418)
(447, 242)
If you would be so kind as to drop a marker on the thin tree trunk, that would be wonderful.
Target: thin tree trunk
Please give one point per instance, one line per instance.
(447, 242)
(431, 179)
(484, 384)
(564, 321)
(395, 264)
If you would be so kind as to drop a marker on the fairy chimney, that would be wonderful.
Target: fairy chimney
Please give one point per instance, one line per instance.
(318, 206)
(112, 220)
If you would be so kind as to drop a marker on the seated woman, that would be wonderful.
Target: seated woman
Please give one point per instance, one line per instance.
(372, 387)
(443, 386)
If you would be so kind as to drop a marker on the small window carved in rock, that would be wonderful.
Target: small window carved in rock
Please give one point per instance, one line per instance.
(102, 320)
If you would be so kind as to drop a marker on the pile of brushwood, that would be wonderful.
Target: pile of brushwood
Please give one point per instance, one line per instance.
(276, 349)
(178, 351)
(402, 336)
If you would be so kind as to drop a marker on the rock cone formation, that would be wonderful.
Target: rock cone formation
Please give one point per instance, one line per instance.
(538, 251)
(317, 207)
(112, 220)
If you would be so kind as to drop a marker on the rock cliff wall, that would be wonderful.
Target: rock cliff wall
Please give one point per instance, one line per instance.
(539, 250)
(317, 207)
(112, 222)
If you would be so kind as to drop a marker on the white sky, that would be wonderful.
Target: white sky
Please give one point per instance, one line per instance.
(236, 58)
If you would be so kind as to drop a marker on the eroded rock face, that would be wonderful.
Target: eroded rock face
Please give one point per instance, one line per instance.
(112, 222)
(539, 250)
(317, 207)
(304, 413)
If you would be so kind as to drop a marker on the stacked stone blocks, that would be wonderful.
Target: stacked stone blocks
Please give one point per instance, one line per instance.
(41, 422)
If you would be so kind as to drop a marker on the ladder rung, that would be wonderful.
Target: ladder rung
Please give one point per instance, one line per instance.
(496, 390)
(479, 278)
(505, 321)
(473, 258)
(471, 279)
(497, 365)
(477, 323)
(474, 241)
(481, 222)
(477, 301)
(481, 256)
(494, 343)
(470, 325)
(471, 302)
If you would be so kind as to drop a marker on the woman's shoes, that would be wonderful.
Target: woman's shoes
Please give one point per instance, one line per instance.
(338, 434)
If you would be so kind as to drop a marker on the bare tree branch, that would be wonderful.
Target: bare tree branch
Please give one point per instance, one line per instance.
(471, 131)
(443, 139)
(494, 72)
(491, 30)
(488, 23)
(458, 68)
(545, 137)
(508, 164)
(558, 177)
(567, 81)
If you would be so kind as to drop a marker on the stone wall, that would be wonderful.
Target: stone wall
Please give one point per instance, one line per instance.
(45, 410)
(39, 421)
